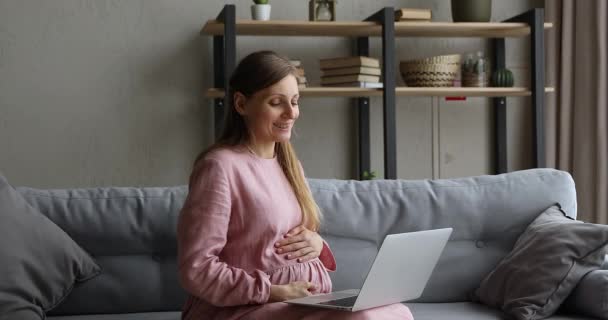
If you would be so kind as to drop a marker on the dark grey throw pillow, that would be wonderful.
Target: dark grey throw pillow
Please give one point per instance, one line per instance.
(39, 262)
(547, 262)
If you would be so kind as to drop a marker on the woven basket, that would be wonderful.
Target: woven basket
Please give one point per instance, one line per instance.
(439, 71)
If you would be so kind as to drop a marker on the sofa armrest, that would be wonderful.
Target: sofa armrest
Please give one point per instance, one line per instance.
(590, 297)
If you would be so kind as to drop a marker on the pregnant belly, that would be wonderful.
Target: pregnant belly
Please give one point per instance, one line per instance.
(311, 271)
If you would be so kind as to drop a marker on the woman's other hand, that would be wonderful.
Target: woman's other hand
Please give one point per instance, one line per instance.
(300, 243)
(293, 290)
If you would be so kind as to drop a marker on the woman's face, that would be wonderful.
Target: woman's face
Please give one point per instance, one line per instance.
(271, 113)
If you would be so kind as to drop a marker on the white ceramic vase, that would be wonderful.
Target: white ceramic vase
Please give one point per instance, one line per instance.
(260, 11)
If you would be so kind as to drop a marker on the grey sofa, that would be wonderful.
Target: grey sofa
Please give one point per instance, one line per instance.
(131, 234)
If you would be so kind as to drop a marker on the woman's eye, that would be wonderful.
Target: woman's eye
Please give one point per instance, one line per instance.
(275, 102)
(294, 103)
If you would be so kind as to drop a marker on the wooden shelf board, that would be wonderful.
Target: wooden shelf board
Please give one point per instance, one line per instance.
(403, 91)
(463, 29)
(366, 28)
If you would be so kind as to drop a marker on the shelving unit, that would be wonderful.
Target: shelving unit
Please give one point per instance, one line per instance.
(402, 91)
(371, 29)
(225, 29)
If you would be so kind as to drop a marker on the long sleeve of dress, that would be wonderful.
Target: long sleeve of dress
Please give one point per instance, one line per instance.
(327, 257)
(201, 234)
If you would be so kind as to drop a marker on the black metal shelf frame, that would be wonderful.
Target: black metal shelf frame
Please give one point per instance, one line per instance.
(535, 18)
(224, 58)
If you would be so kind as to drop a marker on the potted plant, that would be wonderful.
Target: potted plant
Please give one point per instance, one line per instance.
(260, 10)
(369, 175)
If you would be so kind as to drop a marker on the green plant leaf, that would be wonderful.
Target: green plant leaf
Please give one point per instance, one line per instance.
(368, 175)
(260, 1)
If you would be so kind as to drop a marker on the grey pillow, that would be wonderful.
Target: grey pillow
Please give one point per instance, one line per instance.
(590, 297)
(39, 262)
(547, 262)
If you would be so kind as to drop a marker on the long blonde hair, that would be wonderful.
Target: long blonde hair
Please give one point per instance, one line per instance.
(255, 72)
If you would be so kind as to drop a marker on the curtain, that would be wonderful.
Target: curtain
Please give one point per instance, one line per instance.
(576, 114)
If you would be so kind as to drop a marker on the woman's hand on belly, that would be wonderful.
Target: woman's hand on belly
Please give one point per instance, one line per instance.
(293, 290)
(300, 243)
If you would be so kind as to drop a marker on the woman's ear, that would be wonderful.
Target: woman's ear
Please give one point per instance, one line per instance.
(239, 103)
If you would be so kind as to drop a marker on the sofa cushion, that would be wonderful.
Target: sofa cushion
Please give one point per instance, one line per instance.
(39, 262)
(123, 316)
(590, 297)
(467, 311)
(546, 264)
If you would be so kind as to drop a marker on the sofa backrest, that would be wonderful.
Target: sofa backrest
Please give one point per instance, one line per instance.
(131, 234)
(131, 231)
(487, 213)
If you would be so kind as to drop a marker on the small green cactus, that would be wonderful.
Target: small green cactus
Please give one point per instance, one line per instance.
(260, 1)
(369, 175)
(502, 78)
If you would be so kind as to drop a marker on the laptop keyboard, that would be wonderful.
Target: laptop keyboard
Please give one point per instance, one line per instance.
(344, 302)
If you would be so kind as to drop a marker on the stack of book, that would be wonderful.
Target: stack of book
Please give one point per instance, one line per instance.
(300, 75)
(359, 71)
(413, 15)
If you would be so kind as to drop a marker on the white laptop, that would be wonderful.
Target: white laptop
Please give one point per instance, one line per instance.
(399, 273)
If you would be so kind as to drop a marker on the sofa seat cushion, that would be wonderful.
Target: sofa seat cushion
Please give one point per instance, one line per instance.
(175, 315)
(421, 311)
(467, 311)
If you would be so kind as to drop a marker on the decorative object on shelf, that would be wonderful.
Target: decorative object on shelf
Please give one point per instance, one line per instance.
(439, 71)
(300, 74)
(368, 175)
(475, 71)
(322, 10)
(502, 78)
(413, 15)
(260, 10)
(358, 71)
(471, 10)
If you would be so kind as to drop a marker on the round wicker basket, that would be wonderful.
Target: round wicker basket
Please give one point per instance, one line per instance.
(439, 71)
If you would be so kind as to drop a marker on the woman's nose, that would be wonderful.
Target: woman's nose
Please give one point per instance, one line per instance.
(290, 112)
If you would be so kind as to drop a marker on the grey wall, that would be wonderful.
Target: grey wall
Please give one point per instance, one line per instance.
(109, 92)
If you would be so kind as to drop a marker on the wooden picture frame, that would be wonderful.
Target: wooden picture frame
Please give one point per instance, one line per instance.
(312, 9)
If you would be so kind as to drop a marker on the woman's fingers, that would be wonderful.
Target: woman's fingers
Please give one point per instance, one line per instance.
(308, 257)
(292, 247)
(289, 240)
(300, 253)
(296, 230)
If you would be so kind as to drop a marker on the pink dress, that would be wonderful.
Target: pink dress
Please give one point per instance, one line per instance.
(239, 205)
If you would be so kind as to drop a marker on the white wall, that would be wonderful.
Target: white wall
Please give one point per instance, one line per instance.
(103, 92)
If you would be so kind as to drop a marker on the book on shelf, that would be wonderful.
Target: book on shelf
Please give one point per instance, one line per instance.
(343, 62)
(351, 70)
(357, 84)
(349, 78)
(410, 14)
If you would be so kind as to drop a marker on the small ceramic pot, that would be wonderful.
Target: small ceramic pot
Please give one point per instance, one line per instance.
(260, 11)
